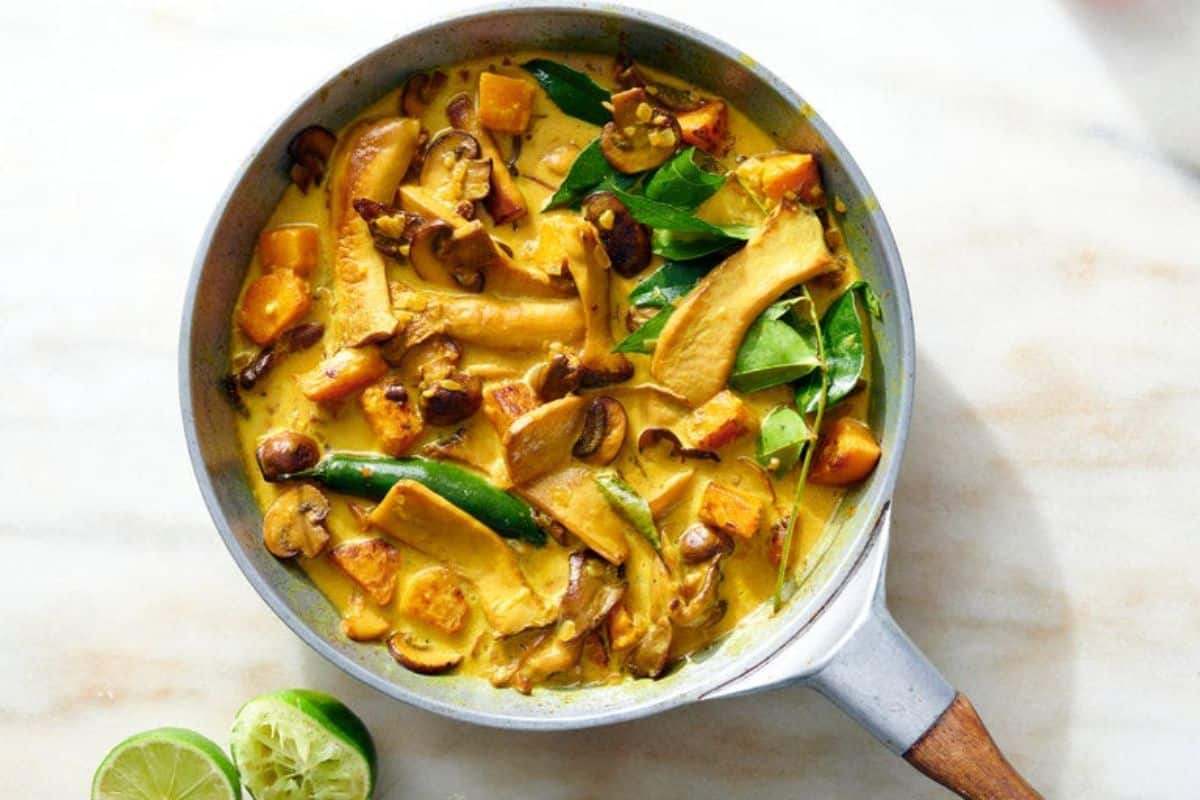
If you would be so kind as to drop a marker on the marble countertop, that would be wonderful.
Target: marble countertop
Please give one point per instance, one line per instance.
(1040, 164)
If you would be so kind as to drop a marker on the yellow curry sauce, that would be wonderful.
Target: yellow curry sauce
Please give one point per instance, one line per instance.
(746, 575)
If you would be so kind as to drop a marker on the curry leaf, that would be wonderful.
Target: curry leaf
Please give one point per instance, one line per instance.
(682, 183)
(644, 338)
(844, 341)
(589, 169)
(686, 247)
(662, 216)
(629, 504)
(571, 90)
(669, 282)
(772, 353)
(781, 438)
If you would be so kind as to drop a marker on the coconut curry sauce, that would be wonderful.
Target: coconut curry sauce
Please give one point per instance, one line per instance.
(494, 429)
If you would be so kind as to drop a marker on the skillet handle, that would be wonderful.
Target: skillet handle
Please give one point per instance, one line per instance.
(883, 681)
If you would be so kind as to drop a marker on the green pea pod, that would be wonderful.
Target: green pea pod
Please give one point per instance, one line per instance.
(373, 476)
(629, 504)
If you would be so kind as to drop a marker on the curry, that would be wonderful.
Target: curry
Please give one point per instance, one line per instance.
(550, 369)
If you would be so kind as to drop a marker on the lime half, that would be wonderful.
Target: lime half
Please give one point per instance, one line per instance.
(302, 745)
(166, 764)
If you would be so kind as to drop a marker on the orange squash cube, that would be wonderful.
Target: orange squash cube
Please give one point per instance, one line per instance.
(719, 421)
(707, 127)
(730, 510)
(294, 247)
(792, 175)
(505, 104)
(272, 304)
(434, 596)
(393, 416)
(846, 453)
(343, 373)
(373, 564)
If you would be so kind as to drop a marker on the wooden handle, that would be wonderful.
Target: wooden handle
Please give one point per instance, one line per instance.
(958, 752)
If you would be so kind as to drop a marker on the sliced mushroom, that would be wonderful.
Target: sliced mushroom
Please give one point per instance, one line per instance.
(540, 440)
(419, 91)
(454, 171)
(589, 267)
(593, 588)
(640, 137)
(652, 436)
(626, 240)
(475, 319)
(310, 150)
(295, 523)
(451, 398)
(604, 426)
(293, 340)
(649, 656)
(558, 377)
(660, 94)
(285, 453)
(422, 655)
(671, 492)
(571, 498)
(504, 202)
(702, 605)
(391, 228)
(452, 257)
(699, 543)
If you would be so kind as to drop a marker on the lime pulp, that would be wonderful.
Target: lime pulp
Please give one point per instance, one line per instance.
(166, 764)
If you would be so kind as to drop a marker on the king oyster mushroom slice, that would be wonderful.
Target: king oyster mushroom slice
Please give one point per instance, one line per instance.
(452, 257)
(641, 136)
(589, 268)
(295, 523)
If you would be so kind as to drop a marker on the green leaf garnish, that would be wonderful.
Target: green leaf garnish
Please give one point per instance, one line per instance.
(629, 504)
(589, 169)
(844, 341)
(571, 90)
(773, 352)
(781, 438)
(644, 338)
(682, 183)
(669, 282)
(689, 246)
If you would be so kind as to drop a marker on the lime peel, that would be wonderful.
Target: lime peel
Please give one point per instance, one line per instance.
(171, 763)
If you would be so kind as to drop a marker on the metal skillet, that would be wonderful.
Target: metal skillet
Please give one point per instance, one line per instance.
(835, 635)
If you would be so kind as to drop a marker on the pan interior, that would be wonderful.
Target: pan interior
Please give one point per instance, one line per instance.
(221, 263)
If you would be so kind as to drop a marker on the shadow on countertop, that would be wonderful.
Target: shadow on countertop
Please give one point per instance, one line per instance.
(973, 580)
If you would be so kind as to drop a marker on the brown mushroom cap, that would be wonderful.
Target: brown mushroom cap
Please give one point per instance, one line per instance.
(629, 75)
(593, 588)
(699, 543)
(626, 240)
(422, 655)
(419, 91)
(454, 257)
(295, 523)
(285, 453)
(451, 399)
(604, 426)
(453, 168)
(310, 151)
(392, 229)
(641, 136)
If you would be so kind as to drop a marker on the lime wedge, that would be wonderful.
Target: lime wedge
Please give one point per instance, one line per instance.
(302, 745)
(166, 764)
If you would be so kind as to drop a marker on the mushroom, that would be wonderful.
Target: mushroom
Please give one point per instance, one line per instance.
(640, 137)
(504, 202)
(699, 543)
(293, 340)
(419, 91)
(391, 228)
(626, 240)
(475, 319)
(453, 170)
(541, 439)
(310, 150)
(285, 453)
(450, 398)
(295, 523)
(661, 94)
(593, 588)
(649, 657)
(422, 655)
(604, 425)
(589, 267)
(652, 436)
(702, 605)
(558, 377)
(454, 257)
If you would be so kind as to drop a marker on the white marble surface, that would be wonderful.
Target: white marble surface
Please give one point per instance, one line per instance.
(1046, 540)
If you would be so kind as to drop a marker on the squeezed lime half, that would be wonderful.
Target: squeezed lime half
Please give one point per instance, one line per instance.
(166, 764)
(298, 744)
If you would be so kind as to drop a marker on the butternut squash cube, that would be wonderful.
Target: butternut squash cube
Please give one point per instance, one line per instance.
(373, 564)
(433, 596)
(393, 416)
(791, 175)
(707, 127)
(719, 421)
(504, 402)
(343, 373)
(505, 104)
(847, 453)
(272, 304)
(362, 622)
(294, 247)
(729, 510)
(623, 631)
